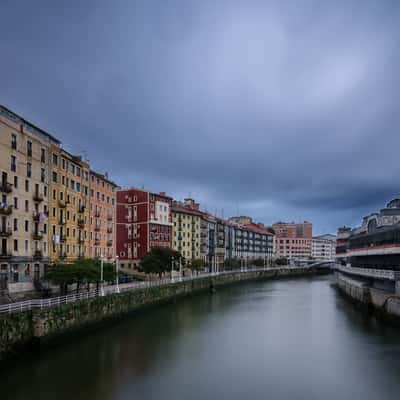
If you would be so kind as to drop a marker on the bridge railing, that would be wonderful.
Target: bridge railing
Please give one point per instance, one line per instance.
(112, 289)
(370, 272)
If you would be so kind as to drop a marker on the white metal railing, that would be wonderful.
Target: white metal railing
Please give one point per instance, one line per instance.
(370, 272)
(109, 290)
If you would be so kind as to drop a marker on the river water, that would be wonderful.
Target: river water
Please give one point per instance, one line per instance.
(287, 339)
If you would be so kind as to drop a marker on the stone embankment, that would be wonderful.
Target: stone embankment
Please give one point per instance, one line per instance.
(383, 303)
(20, 331)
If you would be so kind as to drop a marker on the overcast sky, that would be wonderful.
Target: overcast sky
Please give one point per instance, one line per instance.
(281, 110)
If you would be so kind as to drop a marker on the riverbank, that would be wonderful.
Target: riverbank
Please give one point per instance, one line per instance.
(382, 303)
(33, 328)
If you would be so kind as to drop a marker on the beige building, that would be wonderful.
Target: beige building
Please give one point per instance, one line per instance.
(186, 230)
(24, 226)
(102, 216)
(69, 206)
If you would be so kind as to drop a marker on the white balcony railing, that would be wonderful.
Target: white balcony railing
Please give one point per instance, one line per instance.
(370, 272)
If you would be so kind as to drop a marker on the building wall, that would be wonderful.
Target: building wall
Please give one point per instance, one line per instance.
(69, 206)
(323, 249)
(143, 221)
(24, 203)
(102, 216)
(186, 230)
(293, 240)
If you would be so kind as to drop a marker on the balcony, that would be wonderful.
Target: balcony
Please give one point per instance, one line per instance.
(38, 197)
(5, 232)
(109, 243)
(81, 209)
(97, 214)
(36, 216)
(81, 241)
(97, 227)
(81, 223)
(38, 254)
(109, 217)
(62, 204)
(63, 239)
(5, 254)
(5, 209)
(109, 230)
(97, 242)
(6, 187)
(37, 236)
(62, 221)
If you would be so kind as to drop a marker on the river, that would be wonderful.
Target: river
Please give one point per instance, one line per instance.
(284, 339)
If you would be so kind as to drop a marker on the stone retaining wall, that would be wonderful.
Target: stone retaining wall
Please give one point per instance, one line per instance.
(21, 329)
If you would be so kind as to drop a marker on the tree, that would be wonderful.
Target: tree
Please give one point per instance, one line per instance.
(258, 262)
(281, 261)
(197, 265)
(158, 260)
(233, 263)
(62, 275)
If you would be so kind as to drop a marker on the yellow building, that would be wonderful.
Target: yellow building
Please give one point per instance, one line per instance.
(69, 206)
(186, 237)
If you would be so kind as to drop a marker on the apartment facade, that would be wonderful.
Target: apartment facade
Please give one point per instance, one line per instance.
(324, 247)
(143, 221)
(69, 206)
(24, 207)
(208, 225)
(102, 207)
(293, 240)
(247, 240)
(187, 228)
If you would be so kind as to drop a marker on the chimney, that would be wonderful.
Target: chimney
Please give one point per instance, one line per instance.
(163, 194)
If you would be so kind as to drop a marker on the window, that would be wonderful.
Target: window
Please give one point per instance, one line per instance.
(29, 170)
(54, 177)
(43, 155)
(16, 202)
(15, 224)
(14, 141)
(15, 245)
(15, 182)
(26, 206)
(26, 185)
(29, 148)
(63, 163)
(55, 159)
(13, 163)
(26, 226)
(42, 175)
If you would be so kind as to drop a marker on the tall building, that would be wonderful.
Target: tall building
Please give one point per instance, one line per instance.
(69, 206)
(208, 225)
(102, 216)
(219, 244)
(24, 166)
(187, 225)
(144, 221)
(248, 240)
(293, 240)
(324, 247)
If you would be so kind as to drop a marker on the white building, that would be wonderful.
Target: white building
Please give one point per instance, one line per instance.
(324, 247)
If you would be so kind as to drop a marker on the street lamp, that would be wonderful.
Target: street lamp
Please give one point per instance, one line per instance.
(116, 273)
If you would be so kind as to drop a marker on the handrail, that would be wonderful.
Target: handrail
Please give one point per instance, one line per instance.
(369, 272)
(28, 305)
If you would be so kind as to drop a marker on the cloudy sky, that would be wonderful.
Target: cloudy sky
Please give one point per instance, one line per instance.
(282, 110)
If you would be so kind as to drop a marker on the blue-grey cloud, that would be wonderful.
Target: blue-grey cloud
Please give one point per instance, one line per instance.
(282, 110)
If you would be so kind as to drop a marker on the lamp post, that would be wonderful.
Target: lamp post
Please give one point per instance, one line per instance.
(101, 277)
(116, 273)
(172, 266)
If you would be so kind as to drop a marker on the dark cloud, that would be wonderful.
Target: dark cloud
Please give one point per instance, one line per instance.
(281, 110)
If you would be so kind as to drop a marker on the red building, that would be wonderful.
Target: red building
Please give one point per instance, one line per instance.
(143, 221)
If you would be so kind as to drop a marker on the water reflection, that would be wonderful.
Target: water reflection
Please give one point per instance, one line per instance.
(291, 339)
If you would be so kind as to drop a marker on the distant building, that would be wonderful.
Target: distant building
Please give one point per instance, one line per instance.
(208, 226)
(144, 221)
(293, 240)
(248, 240)
(187, 226)
(102, 216)
(324, 247)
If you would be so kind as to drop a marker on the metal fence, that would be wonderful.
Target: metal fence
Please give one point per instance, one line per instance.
(112, 289)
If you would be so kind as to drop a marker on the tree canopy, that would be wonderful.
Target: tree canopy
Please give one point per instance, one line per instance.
(158, 260)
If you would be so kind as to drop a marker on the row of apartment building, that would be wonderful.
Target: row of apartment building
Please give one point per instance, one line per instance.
(55, 208)
(146, 220)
